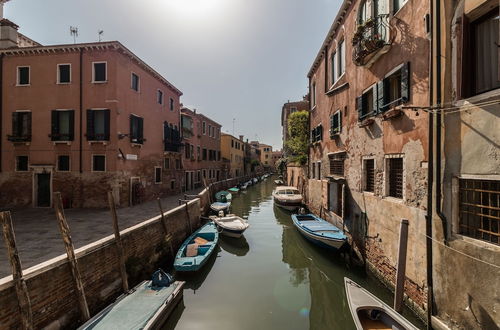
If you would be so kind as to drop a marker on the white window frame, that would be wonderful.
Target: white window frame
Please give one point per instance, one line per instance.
(313, 95)
(339, 112)
(93, 72)
(18, 75)
(161, 175)
(58, 74)
(57, 164)
(15, 164)
(92, 163)
(132, 74)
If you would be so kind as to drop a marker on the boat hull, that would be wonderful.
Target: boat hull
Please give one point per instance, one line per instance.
(322, 242)
(319, 236)
(183, 263)
(230, 232)
(287, 205)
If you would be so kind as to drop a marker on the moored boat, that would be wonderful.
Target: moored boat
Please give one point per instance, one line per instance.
(255, 180)
(233, 190)
(146, 306)
(279, 182)
(244, 186)
(287, 197)
(223, 196)
(369, 312)
(230, 225)
(319, 231)
(197, 248)
(219, 206)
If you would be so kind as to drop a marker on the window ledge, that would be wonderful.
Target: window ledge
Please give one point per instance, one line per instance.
(479, 97)
(369, 193)
(334, 90)
(23, 85)
(61, 142)
(100, 82)
(366, 122)
(393, 113)
(393, 199)
(335, 177)
(21, 143)
(98, 142)
(476, 242)
(138, 145)
(63, 83)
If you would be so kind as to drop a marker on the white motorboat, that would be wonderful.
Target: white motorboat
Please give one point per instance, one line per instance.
(230, 225)
(287, 197)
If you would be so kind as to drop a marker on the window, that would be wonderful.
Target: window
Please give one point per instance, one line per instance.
(232, 143)
(62, 128)
(157, 175)
(335, 123)
(198, 176)
(336, 198)
(99, 72)
(317, 134)
(171, 138)
(371, 9)
(334, 69)
(369, 175)
(178, 164)
(293, 109)
(394, 89)
(21, 127)
(187, 151)
(22, 163)
(134, 82)
(98, 125)
(204, 174)
(395, 183)
(64, 73)
(479, 209)
(365, 104)
(397, 4)
(172, 184)
(136, 129)
(337, 164)
(159, 97)
(340, 59)
(98, 163)
(318, 172)
(209, 130)
(313, 95)
(204, 154)
(63, 163)
(166, 163)
(218, 155)
(171, 104)
(204, 128)
(198, 152)
(23, 75)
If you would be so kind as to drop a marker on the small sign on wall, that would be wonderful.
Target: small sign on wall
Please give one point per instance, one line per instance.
(130, 157)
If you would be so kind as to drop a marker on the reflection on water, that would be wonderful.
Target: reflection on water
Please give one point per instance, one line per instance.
(272, 278)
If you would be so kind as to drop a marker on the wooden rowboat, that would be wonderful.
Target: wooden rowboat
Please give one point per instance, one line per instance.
(147, 306)
(319, 231)
(197, 248)
(369, 312)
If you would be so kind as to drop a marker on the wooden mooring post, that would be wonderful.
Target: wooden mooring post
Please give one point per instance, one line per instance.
(70, 251)
(401, 270)
(188, 218)
(168, 237)
(118, 240)
(23, 298)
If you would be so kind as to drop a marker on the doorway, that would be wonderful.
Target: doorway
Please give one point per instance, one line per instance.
(43, 195)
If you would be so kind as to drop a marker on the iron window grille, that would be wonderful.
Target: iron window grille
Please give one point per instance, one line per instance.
(337, 164)
(479, 209)
(369, 175)
(396, 177)
(335, 124)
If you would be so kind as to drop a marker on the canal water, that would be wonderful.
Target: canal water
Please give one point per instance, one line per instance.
(272, 278)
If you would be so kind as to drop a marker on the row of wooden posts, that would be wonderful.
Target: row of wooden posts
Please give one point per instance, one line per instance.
(17, 273)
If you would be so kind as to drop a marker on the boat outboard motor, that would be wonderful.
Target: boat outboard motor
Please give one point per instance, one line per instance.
(221, 214)
(302, 211)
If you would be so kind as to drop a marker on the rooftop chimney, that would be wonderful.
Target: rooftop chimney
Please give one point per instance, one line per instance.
(241, 137)
(8, 33)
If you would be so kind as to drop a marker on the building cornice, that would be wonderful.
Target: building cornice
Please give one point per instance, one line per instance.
(95, 46)
(337, 23)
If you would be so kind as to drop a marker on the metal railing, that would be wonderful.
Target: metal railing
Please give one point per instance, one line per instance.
(372, 35)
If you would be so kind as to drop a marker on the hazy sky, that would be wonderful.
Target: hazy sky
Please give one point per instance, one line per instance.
(237, 59)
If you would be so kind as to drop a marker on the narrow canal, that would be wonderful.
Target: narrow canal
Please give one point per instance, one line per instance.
(272, 278)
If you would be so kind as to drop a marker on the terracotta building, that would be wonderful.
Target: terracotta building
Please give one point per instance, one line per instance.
(84, 119)
(233, 155)
(202, 149)
(369, 153)
(287, 109)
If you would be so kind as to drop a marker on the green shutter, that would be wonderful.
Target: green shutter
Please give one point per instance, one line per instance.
(380, 96)
(374, 100)
(339, 115)
(405, 82)
(106, 124)
(90, 125)
(54, 132)
(359, 106)
(141, 130)
(71, 125)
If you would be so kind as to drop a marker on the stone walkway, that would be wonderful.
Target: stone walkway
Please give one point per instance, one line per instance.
(37, 233)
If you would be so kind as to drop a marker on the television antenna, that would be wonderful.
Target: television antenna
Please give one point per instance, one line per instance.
(100, 33)
(234, 119)
(73, 30)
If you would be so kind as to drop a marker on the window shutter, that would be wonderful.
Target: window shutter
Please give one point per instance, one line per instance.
(339, 115)
(320, 133)
(71, 125)
(90, 125)
(374, 99)
(54, 126)
(106, 124)
(132, 136)
(380, 96)
(15, 124)
(405, 82)
(359, 106)
(165, 131)
(331, 125)
(140, 130)
(28, 125)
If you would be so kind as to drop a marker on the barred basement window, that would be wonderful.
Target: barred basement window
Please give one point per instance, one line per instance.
(396, 177)
(369, 169)
(479, 209)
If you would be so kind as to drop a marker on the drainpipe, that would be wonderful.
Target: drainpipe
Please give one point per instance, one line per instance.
(430, 176)
(439, 212)
(1, 107)
(81, 111)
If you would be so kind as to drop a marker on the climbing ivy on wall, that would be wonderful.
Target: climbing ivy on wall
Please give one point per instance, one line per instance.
(298, 141)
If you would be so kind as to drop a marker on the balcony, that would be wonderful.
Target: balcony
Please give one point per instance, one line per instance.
(172, 140)
(372, 39)
(19, 138)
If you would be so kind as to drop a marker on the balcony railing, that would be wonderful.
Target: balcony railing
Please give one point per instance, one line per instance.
(370, 39)
(172, 140)
(19, 138)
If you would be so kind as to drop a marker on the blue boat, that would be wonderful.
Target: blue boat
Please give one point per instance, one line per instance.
(197, 248)
(319, 231)
(147, 306)
(223, 196)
